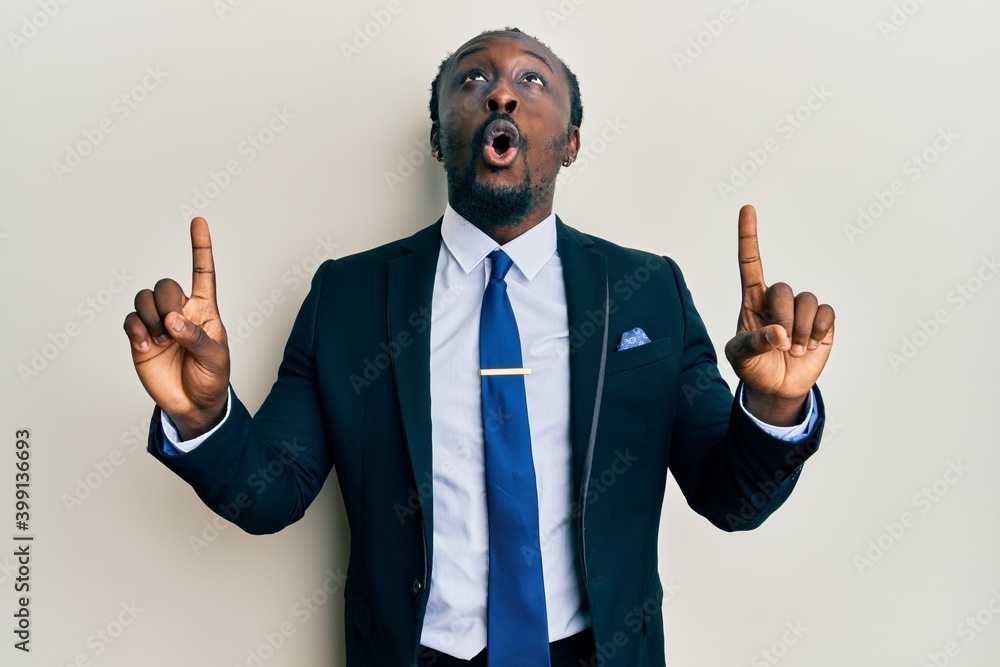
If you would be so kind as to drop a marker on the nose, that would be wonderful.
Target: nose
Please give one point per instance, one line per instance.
(502, 97)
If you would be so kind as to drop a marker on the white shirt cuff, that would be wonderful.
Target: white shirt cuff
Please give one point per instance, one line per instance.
(789, 433)
(174, 446)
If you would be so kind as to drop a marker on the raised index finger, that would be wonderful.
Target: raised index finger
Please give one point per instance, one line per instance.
(203, 280)
(751, 271)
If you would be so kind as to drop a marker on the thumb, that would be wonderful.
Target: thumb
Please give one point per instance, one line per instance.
(748, 344)
(193, 338)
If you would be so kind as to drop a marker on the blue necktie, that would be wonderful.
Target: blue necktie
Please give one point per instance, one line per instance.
(516, 625)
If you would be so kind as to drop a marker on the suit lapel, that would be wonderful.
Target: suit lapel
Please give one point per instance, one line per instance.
(411, 288)
(585, 273)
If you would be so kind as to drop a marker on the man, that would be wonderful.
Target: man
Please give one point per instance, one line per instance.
(501, 396)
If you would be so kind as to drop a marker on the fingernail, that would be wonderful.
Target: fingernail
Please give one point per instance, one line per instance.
(142, 346)
(813, 344)
(768, 337)
(798, 350)
(163, 339)
(178, 324)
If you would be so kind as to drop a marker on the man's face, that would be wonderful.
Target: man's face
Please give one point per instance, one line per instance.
(504, 129)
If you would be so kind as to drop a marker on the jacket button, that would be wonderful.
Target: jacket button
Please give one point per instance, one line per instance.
(415, 587)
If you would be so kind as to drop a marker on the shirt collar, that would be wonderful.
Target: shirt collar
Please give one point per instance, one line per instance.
(469, 245)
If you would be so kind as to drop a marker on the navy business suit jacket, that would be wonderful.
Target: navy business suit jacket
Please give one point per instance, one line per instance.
(353, 395)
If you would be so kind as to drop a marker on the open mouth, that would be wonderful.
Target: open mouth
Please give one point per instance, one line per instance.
(500, 141)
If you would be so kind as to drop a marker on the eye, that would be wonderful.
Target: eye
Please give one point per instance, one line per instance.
(474, 75)
(533, 77)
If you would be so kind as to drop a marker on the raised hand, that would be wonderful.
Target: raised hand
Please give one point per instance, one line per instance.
(782, 339)
(179, 346)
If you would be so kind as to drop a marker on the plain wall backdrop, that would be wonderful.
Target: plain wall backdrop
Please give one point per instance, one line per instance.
(865, 133)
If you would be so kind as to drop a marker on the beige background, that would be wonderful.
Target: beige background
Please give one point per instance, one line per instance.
(320, 189)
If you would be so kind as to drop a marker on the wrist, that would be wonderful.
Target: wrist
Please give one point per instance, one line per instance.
(199, 422)
(773, 409)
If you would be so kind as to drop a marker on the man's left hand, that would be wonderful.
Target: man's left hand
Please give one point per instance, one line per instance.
(782, 339)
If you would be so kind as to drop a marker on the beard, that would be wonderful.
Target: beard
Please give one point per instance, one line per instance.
(491, 206)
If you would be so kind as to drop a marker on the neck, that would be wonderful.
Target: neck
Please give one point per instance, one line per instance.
(508, 233)
(503, 235)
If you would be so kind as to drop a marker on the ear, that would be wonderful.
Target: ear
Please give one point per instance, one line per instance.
(573, 145)
(435, 137)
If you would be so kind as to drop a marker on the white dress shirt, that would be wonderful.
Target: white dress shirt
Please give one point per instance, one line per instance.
(455, 620)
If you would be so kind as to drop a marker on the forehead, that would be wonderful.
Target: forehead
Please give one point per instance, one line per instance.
(506, 44)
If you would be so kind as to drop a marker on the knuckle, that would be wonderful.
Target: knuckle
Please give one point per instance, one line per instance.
(781, 288)
(807, 298)
(142, 297)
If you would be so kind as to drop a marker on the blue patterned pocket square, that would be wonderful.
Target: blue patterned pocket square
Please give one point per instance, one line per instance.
(633, 338)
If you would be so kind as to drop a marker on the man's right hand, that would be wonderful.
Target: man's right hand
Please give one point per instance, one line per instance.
(179, 346)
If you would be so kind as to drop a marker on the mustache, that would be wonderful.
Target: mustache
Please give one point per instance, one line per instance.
(480, 135)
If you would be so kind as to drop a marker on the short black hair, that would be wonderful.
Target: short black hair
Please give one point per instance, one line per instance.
(575, 104)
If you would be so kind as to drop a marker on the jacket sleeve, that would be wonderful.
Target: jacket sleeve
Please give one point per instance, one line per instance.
(262, 472)
(730, 470)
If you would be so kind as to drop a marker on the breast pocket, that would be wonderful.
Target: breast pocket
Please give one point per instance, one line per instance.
(643, 355)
